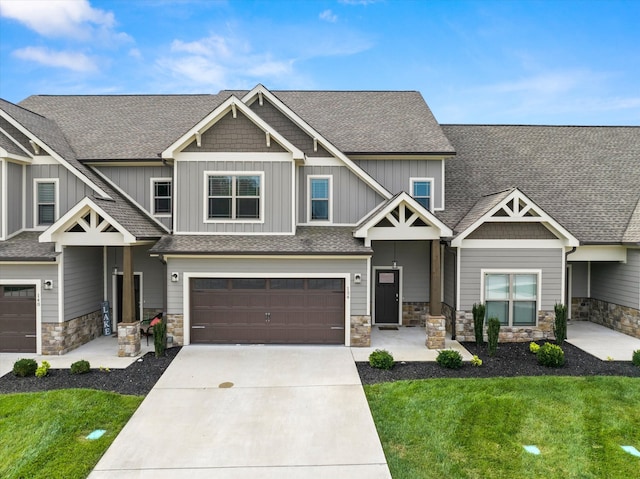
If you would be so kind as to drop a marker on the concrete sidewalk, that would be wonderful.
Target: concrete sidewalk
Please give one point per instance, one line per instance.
(251, 411)
(601, 342)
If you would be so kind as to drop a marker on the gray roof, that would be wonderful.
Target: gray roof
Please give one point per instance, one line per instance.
(25, 247)
(481, 206)
(586, 178)
(308, 240)
(7, 144)
(104, 127)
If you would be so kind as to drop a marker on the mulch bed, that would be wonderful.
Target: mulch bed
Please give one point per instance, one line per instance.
(138, 379)
(511, 359)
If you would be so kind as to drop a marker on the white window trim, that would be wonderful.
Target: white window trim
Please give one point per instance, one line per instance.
(205, 197)
(152, 205)
(320, 177)
(537, 272)
(56, 213)
(431, 182)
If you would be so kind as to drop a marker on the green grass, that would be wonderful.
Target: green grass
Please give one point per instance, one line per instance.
(43, 435)
(476, 428)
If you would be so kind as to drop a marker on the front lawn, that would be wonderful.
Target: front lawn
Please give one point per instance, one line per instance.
(43, 435)
(476, 428)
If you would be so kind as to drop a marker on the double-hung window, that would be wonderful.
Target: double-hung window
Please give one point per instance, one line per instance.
(512, 297)
(46, 204)
(234, 196)
(319, 198)
(422, 191)
(161, 196)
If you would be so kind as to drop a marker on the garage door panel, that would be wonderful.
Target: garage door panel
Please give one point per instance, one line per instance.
(17, 319)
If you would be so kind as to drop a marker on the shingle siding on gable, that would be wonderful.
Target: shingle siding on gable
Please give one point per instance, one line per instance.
(511, 231)
(618, 283)
(234, 135)
(287, 128)
(15, 205)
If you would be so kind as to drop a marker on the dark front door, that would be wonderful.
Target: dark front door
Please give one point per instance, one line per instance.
(387, 296)
(136, 287)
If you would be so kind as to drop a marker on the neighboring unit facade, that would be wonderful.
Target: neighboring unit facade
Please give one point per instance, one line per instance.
(292, 217)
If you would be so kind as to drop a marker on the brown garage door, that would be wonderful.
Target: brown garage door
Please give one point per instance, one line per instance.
(17, 319)
(267, 311)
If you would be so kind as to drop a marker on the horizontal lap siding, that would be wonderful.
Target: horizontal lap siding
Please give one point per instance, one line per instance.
(15, 204)
(265, 267)
(579, 279)
(83, 276)
(617, 283)
(49, 298)
(415, 259)
(472, 261)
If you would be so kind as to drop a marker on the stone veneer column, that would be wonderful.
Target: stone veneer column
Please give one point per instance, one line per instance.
(436, 332)
(361, 331)
(128, 339)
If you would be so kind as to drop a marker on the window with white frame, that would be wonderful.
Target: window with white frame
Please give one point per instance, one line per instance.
(512, 297)
(161, 196)
(234, 196)
(46, 201)
(422, 191)
(319, 194)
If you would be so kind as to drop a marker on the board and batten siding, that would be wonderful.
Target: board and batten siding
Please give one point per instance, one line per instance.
(136, 182)
(83, 280)
(264, 267)
(618, 283)
(15, 204)
(473, 260)
(352, 197)
(395, 175)
(49, 297)
(414, 257)
(190, 196)
(579, 279)
(70, 188)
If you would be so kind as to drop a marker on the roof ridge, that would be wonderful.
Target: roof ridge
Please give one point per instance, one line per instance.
(538, 126)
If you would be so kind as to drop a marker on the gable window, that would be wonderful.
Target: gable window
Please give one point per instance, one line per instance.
(161, 196)
(234, 196)
(422, 191)
(46, 201)
(319, 193)
(512, 297)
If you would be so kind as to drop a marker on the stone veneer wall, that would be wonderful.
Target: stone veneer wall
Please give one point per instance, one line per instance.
(415, 313)
(175, 329)
(619, 318)
(508, 334)
(361, 331)
(128, 339)
(580, 309)
(436, 332)
(60, 338)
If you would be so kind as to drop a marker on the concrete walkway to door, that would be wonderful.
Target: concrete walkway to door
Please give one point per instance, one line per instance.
(601, 342)
(251, 411)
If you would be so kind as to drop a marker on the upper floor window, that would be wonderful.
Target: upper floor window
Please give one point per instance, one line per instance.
(234, 196)
(512, 298)
(46, 201)
(161, 196)
(422, 191)
(319, 191)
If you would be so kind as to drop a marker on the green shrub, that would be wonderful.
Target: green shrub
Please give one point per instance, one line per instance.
(159, 336)
(560, 323)
(25, 367)
(80, 367)
(635, 359)
(43, 369)
(551, 355)
(534, 347)
(493, 332)
(478, 311)
(449, 358)
(381, 359)
(476, 361)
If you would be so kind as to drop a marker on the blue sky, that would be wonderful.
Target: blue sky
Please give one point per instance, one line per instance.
(489, 61)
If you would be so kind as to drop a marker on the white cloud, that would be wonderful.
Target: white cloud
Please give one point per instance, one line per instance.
(328, 16)
(213, 47)
(70, 60)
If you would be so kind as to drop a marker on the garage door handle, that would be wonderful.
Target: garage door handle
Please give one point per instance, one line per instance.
(337, 327)
(197, 327)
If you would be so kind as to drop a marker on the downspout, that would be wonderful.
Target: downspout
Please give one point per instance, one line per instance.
(566, 279)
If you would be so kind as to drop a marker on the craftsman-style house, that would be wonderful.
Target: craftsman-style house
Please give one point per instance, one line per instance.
(306, 217)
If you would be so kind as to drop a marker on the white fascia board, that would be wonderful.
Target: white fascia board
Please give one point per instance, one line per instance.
(15, 158)
(513, 244)
(217, 114)
(80, 208)
(326, 144)
(55, 155)
(599, 253)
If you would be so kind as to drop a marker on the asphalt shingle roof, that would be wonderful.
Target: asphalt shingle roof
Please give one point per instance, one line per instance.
(586, 178)
(25, 247)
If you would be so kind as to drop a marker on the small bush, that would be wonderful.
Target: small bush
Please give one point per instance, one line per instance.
(449, 358)
(159, 336)
(534, 347)
(80, 367)
(476, 361)
(25, 367)
(478, 312)
(635, 359)
(43, 369)
(560, 323)
(493, 332)
(551, 355)
(381, 359)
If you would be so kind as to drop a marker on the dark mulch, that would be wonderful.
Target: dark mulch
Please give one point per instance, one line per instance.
(511, 359)
(137, 379)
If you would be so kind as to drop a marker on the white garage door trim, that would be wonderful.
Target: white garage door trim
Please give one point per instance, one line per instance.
(38, 285)
(187, 276)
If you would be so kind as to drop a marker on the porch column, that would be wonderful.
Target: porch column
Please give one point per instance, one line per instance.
(128, 329)
(436, 330)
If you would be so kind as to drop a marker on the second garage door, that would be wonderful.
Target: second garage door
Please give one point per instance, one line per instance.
(17, 319)
(267, 311)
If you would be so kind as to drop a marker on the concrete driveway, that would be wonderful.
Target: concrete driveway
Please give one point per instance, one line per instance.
(251, 411)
